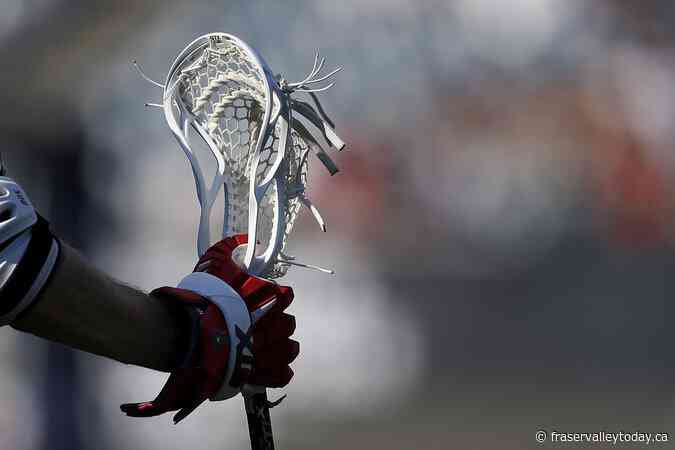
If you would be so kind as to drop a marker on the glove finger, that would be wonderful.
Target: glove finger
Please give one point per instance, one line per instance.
(218, 252)
(284, 296)
(277, 354)
(216, 265)
(287, 293)
(272, 328)
(275, 378)
(226, 270)
(181, 389)
(221, 252)
(257, 292)
(184, 412)
(228, 244)
(145, 409)
(235, 241)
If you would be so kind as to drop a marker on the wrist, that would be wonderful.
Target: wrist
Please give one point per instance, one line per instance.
(237, 321)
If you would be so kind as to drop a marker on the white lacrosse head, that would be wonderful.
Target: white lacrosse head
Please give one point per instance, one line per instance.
(223, 90)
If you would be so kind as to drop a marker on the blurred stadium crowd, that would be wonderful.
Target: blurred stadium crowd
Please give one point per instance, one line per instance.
(502, 226)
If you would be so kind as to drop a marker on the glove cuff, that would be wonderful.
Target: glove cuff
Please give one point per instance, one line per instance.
(238, 322)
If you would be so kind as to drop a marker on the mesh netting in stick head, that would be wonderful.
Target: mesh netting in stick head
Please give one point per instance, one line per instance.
(222, 90)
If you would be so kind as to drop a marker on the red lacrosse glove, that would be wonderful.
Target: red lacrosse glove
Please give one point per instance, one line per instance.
(241, 334)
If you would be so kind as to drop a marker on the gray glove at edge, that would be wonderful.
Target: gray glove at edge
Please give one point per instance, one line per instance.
(28, 250)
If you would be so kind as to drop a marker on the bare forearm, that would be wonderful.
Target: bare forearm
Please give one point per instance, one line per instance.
(85, 309)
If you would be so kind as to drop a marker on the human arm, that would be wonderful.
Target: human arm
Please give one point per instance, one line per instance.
(218, 331)
(84, 308)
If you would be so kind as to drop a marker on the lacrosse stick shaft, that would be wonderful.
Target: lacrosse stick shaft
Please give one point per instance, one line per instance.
(259, 423)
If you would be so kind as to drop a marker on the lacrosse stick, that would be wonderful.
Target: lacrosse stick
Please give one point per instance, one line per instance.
(221, 90)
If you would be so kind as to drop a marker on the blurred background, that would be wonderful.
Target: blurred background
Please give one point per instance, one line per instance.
(502, 226)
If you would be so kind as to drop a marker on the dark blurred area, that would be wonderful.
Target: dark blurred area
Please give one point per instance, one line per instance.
(502, 227)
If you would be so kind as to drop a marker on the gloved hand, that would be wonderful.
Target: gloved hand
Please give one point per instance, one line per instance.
(241, 334)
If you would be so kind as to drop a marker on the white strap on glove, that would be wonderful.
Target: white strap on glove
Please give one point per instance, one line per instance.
(236, 315)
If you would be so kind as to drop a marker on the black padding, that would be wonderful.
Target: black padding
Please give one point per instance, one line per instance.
(28, 269)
